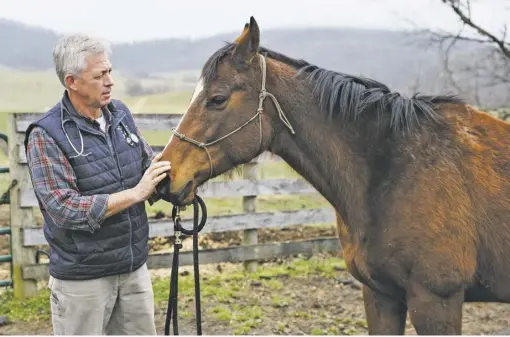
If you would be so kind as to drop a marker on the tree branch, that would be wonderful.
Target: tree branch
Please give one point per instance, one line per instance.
(466, 19)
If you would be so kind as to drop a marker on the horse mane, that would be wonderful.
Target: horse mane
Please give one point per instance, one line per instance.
(349, 96)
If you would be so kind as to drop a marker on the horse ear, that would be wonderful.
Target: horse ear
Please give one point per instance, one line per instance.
(245, 30)
(248, 42)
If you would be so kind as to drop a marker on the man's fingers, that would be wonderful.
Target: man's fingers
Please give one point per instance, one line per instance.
(160, 170)
(157, 157)
(159, 164)
(160, 177)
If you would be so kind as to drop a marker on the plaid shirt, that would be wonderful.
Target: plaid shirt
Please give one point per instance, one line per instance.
(55, 185)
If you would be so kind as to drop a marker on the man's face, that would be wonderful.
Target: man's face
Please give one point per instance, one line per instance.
(95, 82)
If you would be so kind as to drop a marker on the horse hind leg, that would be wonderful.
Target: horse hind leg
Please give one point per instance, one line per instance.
(432, 314)
(385, 315)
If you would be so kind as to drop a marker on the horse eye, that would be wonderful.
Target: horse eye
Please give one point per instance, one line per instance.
(217, 100)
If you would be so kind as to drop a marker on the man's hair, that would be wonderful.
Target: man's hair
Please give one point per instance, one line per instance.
(70, 54)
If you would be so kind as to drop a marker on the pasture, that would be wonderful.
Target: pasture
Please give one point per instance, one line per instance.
(300, 295)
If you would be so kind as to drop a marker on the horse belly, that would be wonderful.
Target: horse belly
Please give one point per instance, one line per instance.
(492, 277)
(481, 293)
(491, 284)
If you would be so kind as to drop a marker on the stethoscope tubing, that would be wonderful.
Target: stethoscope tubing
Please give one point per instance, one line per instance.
(131, 138)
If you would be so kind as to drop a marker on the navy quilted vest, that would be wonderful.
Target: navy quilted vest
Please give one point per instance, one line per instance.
(121, 244)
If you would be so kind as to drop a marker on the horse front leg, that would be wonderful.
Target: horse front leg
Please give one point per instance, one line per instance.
(385, 315)
(432, 314)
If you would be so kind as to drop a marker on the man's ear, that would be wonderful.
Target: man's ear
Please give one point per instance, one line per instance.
(70, 82)
(248, 42)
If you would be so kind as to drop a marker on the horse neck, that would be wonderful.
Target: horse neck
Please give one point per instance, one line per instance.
(325, 153)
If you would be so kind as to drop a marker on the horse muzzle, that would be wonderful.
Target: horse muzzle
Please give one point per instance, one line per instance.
(179, 198)
(163, 190)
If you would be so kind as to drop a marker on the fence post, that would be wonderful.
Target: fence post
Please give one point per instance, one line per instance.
(249, 206)
(20, 217)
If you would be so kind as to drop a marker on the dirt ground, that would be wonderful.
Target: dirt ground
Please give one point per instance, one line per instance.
(305, 305)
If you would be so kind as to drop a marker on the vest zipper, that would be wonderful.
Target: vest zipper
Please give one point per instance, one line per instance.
(111, 145)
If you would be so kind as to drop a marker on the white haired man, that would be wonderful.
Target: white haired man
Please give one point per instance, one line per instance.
(86, 160)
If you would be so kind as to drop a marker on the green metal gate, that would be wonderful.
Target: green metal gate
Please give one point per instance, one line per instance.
(4, 199)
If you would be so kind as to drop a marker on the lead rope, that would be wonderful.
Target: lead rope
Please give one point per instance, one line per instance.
(171, 313)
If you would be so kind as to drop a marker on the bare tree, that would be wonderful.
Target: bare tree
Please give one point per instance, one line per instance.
(482, 75)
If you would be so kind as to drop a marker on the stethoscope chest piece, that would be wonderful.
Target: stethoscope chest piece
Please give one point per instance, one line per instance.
(134, 138)
(131, 138)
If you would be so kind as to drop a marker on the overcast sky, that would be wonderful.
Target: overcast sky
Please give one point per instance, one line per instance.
(130, 20)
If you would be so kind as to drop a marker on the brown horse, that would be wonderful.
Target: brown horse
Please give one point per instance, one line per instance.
(420, 184)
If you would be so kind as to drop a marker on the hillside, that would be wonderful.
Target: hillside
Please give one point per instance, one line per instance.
(398, 59)
(24, 47)
(372, 53)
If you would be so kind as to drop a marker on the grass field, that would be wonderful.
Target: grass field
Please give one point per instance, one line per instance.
(272, 300)
(169, 102)
(22, 91)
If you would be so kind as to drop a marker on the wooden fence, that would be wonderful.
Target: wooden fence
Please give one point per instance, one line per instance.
(27, 236)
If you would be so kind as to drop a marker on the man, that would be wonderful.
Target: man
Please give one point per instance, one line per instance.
(85, 159)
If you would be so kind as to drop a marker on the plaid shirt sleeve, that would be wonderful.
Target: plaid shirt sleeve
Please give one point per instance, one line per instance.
(154, 197)
(55, 185)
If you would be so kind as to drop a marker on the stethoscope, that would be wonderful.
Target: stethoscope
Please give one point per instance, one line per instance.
(131, 138)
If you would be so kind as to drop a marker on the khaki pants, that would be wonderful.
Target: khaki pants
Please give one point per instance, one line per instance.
(112, 305)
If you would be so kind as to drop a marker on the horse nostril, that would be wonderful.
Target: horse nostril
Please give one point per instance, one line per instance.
(163, 188)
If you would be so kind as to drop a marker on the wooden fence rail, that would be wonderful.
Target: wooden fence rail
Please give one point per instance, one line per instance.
(27, 236)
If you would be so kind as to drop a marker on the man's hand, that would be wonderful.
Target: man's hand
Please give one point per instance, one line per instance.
(141, 192)
(152, 177)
